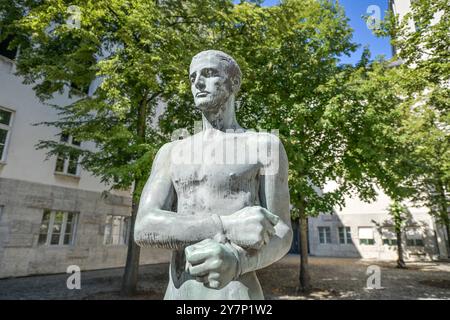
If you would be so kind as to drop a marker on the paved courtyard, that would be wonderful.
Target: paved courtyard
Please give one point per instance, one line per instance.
(332, 278)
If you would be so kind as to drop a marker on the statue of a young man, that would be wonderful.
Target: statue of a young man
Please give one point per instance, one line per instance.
(224, 218)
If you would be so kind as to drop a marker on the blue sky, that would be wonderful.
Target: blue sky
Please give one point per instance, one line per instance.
(362, 35)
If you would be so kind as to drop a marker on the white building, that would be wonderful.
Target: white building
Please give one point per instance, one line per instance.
(52, 213)
(365, 230)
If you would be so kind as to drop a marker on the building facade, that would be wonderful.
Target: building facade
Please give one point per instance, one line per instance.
(53, 214)
(365, 230)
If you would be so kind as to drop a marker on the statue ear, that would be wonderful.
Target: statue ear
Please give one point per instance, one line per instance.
(236, 85)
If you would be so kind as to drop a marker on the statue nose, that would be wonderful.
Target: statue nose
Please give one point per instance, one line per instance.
(200, 84)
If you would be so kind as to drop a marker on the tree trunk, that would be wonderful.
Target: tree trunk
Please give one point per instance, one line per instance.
(304, 278)
(400, 261)
(130, 276)
(447, 228)
(444, 214)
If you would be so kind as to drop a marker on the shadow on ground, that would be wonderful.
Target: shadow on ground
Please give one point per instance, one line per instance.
(333, 278)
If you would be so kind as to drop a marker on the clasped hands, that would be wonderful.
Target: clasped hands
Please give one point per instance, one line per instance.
(216, 263)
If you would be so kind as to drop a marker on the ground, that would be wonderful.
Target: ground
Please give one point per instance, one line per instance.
(332, 278)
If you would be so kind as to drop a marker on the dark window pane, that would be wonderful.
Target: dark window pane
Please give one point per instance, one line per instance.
(67, 238)
(64, 137)
(57, 222)
(44, 224)
(42, 238)
(419, 242)
(59, 164)
(55, 239)
(76, 142)
(4, 48)
(68, 227)
(70, 217)
(72, 168)
(3, 134)
(5, 117)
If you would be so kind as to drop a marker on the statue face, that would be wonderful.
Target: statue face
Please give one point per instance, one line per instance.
(210, 83)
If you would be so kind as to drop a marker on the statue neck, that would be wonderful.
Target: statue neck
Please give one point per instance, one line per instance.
(223, 119)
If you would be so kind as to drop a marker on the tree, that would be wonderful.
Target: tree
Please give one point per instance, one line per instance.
(335, 124)
(140, 49)
(421, 40)
(288, 56)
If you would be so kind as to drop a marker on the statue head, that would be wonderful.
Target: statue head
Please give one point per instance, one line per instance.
(214, 77)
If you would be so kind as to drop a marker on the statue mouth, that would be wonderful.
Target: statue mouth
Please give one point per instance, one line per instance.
(201, 94)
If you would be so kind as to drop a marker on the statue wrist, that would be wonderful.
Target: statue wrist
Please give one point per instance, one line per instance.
(236, 253)
(221, 235)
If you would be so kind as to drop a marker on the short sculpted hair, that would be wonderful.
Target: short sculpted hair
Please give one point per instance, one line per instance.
(232, 68)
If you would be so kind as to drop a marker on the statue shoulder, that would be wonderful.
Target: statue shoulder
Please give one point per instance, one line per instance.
(268, 139)
(164, 152)
(271, 151)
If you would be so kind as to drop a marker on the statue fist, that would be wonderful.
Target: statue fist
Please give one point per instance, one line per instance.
(212, 263)
(250, 227)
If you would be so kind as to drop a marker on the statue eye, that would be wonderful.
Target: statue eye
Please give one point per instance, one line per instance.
(192, 78)
(209, 72)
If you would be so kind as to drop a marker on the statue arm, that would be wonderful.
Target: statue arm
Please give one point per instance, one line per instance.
(156, 225)
(274, 196)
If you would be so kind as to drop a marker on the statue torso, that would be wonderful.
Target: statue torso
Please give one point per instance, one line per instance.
(216, 174)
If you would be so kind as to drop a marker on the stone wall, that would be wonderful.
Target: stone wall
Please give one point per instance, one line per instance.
(23, 206)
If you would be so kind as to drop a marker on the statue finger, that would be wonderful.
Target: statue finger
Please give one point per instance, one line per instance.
(266, 238)
(214, 280)
(199, 270)
(270, 230)
(203, 279)
(197, 245)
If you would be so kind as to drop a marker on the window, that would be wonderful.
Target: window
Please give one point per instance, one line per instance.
(116, 230)
(345, 236)
(414, 237)
(68, 164)
(57, 228)
(365, 235)
(389, 237)
(324, 235)
(5, 128)
(4, 50)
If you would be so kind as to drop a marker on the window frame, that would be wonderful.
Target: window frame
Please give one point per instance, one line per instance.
(327, 233)
(107, 240)
(67, 160)
(62, 233)
(389, 241)
(414, 241)
(8, 129)
(347, 232)
(366, 241)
